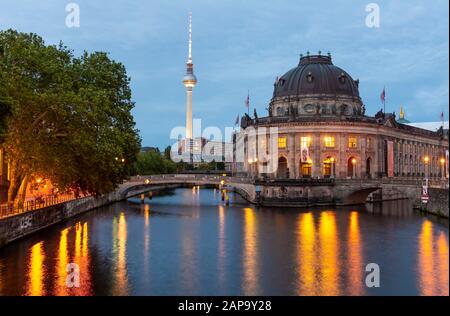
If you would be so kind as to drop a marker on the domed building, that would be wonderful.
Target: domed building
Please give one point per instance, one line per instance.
(317, 127)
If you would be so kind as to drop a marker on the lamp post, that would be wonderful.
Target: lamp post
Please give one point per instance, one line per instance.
(442, 161)
(426, 160)
(332, 167)
(354, 167)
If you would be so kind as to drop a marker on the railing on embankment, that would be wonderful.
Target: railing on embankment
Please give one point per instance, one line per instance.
(13, 209)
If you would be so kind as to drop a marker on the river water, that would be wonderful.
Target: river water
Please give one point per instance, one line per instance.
(187, 242)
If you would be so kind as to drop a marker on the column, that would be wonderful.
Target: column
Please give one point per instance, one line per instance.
(361, 143)
(291, 155)
(341, 164)
(315, 156)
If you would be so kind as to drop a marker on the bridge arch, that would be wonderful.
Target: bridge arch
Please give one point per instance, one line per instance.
(358, 196)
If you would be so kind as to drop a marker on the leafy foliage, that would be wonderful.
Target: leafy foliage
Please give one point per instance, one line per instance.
(151, 162)
(71, 117)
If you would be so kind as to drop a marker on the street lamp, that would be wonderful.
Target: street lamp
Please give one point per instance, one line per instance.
(426, 160)
(332, 167)
(354, 167)
(442, 161)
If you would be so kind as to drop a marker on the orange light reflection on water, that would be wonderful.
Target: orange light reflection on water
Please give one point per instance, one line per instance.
(306, 255)
(120, 252)
(250, 264)
(329, 254)
(61, 288)
(433, 262)
(355, 261)
(36, 272)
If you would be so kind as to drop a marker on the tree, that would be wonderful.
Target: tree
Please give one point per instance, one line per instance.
(167, 152)
(6, 106)
(151, 162)
(71, 119)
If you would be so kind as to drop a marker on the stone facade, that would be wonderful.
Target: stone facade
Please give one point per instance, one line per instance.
(342, 149)
(317, 128)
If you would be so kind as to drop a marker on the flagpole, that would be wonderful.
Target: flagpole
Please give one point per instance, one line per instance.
(248, 102)
(384, 100)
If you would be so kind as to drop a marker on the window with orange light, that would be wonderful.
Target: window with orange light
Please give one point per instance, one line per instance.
(329, 141)
(281, 142)
(305, 141)
(352, 142)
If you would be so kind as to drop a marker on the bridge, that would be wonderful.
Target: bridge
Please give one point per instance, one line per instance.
(290, 192)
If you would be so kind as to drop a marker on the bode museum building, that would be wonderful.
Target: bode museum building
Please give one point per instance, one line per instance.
(323, 131)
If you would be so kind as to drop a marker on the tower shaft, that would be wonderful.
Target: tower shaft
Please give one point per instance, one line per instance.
(189, 114)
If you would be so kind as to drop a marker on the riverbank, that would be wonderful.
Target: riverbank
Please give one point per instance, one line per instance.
(21, 225)
(437, 203)
(24, 224)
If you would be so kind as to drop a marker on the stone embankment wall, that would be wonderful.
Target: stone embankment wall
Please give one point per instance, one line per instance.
(20, 225)
(438, 202)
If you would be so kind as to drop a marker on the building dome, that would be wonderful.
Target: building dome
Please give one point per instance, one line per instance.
(316, 87)
(316, 74)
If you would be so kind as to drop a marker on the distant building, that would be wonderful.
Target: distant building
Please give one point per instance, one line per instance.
(402, 118)
(430, 126)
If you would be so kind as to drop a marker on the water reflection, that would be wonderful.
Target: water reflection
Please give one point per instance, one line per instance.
(36, 270)
(211, 249)
(250, 264)
(221, 248)
(433, 261)
(146, 240)
(329, 254)
(83, 262)
(63, 260)
(306, 255)
(355, 260)
(120, 286)
(442, 249)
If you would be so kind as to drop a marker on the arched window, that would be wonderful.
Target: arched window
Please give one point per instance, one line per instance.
(282, 171)
(351, 167)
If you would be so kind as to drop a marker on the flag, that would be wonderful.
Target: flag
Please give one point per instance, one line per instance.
(442, 116)
(237, 120)
(383, 95)
(247, 101)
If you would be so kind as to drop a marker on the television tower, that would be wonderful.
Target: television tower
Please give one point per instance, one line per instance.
(189, 82)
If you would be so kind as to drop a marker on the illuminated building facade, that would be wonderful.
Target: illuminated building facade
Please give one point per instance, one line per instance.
(324, 132)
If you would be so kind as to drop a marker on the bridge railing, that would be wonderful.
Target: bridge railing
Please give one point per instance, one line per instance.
(438, 183)
(182, 177)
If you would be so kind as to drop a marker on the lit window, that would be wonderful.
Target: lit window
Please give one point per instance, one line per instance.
(305, 141)
(352, 143)
(281, 142)
(329, 141)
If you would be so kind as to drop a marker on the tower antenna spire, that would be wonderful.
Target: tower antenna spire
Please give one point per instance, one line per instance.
(190, 38)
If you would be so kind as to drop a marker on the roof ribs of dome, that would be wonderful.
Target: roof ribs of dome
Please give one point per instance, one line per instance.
(316, 74)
